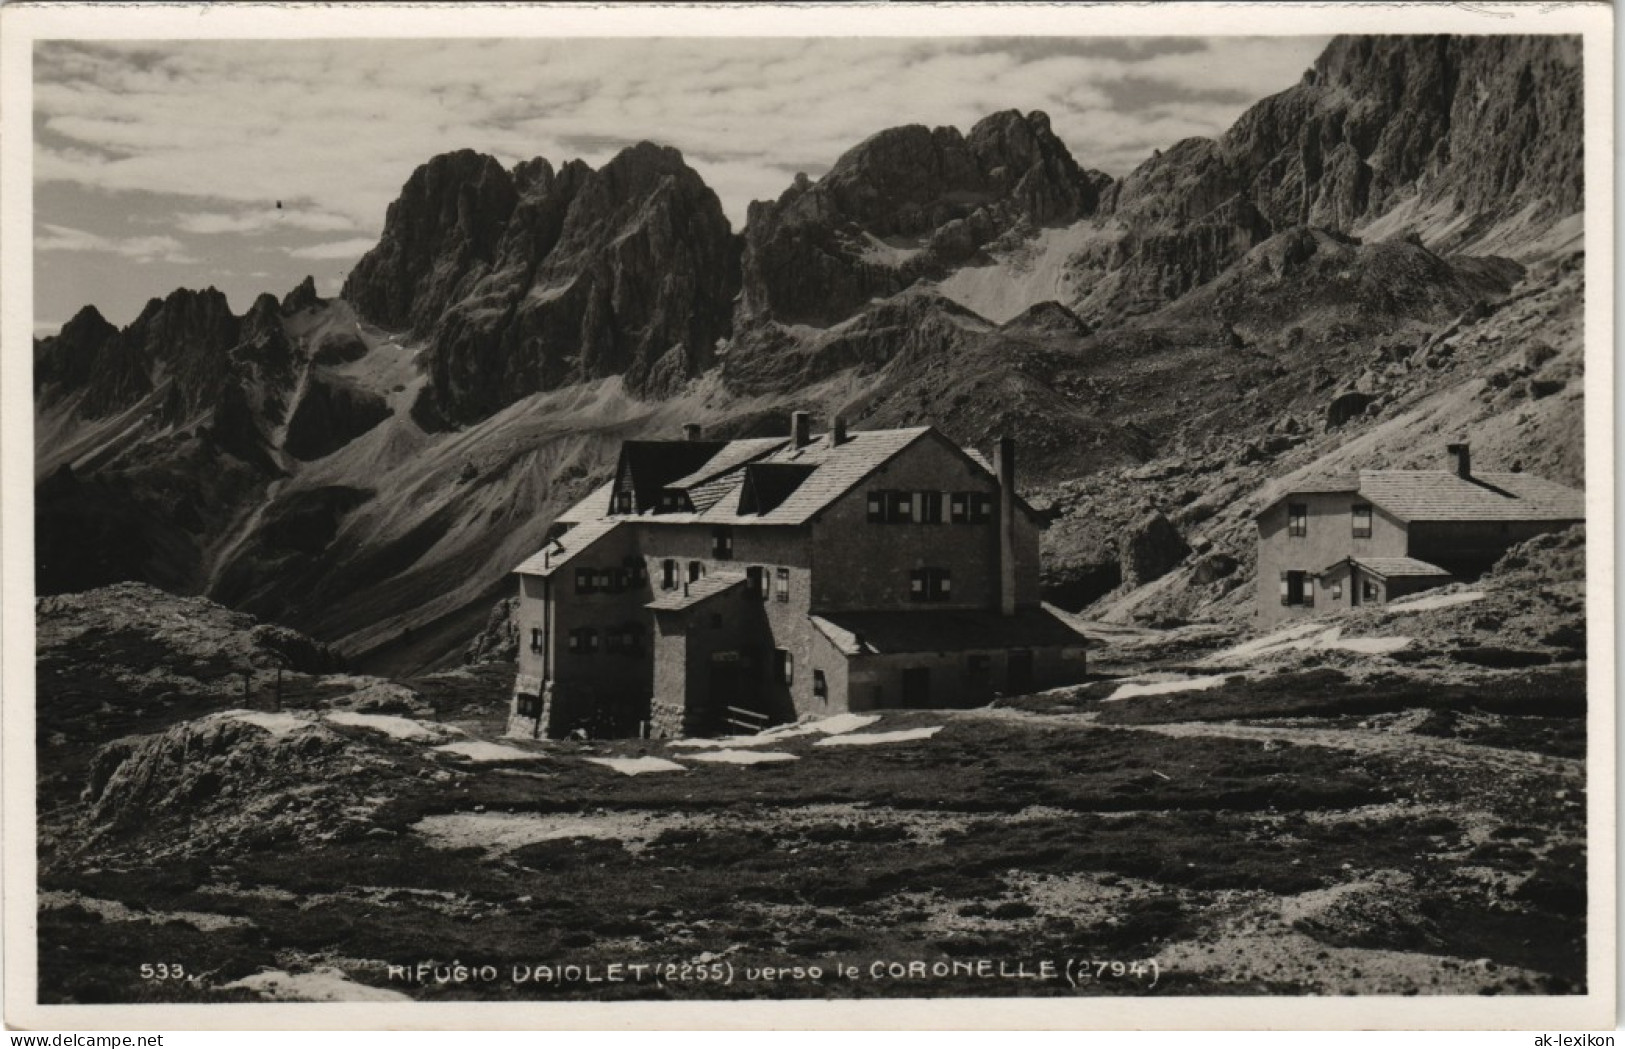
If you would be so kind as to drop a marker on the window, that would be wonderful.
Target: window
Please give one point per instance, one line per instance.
(670, 501)
(900, 507)
(1297, 588)
(783, 576)
(583, 640)
(930, 584)
(1370, 591)
(877, 507)
(896, 507)
(930, 507)
(784, 666)
(584, 581)
(1337, 590)
(978, 667)
(1361, 514)
(756, 582)
(536, 642)
(959, 507)
(722, 542)
(633, 571)
(981, 507)
(668, 574)
(623, 502)
(624, 640)
(696, 571)
(1297, 520)
(820, 685)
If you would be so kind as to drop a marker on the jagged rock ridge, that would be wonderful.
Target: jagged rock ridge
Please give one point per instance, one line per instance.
(532, 279)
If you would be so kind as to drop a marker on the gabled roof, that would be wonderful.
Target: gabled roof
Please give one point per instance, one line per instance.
(693, 593)
(733, 455)
(883, 633)
(559, 552)
(590, 508)
(1392, 567)
(1441, 495)
(657, 465)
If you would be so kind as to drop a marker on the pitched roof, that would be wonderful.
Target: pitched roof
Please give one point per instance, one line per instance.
(657, 465)
(1441, 495)
(733, 455)
(1395, 567)
(693, 593)
(590, 508)
(884, 633)
(559, 552)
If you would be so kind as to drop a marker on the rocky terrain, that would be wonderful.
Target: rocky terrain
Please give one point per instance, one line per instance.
(1384, 255)
(1308, 812)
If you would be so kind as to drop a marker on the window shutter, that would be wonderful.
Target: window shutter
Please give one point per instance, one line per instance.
(1284, 599)
(1309, 591)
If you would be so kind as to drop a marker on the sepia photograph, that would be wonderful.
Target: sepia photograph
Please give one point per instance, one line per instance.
(535, 507)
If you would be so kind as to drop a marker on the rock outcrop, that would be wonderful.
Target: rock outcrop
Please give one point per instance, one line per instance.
(533, 279)
(907, 203)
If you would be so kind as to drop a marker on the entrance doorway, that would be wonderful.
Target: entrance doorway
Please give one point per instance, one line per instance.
(1020, 678)
(916, 687)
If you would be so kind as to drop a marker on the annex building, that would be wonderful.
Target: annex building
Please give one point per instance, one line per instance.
(1370, 537)
(730, 585)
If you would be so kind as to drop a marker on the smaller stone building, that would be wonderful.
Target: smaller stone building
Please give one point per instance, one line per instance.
(724, 586)
(1370, 537)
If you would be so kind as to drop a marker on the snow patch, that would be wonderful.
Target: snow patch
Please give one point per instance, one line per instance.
(1160, 688)
(638, 766)
(865, 739)
(275, 724)
(747, 757)
(502, 832)
(1436, 601)
(393, 725)
(320, 985)
(479, 750)
(1372, 646)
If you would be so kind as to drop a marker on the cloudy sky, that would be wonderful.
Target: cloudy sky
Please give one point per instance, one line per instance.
(160, 165)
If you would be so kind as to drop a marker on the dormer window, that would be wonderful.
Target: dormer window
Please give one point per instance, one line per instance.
(623, 502)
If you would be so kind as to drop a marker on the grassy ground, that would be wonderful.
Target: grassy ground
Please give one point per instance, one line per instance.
(1288, 836)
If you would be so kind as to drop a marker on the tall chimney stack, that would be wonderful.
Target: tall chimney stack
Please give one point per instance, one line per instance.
(837, 430)
(691, 431)
(800, 429)
(1464, 459)
(1004, 468)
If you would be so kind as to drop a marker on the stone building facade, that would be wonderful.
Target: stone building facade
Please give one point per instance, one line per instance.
(1370, 537)
(727, 586)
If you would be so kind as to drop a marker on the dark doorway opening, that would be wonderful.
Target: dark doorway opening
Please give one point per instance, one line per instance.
(1021, 671)
(916, 687)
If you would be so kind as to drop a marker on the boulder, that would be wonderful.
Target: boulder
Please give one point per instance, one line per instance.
(1151, 548)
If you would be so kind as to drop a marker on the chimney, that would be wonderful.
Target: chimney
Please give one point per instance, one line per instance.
(691, 431)
(1464, 459)
(837, 430)
(1004, 468)
(800, 429)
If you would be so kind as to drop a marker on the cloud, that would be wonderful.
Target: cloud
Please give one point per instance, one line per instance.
(340, 124)
(142, 249)
(338, 249)
(264, 220)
